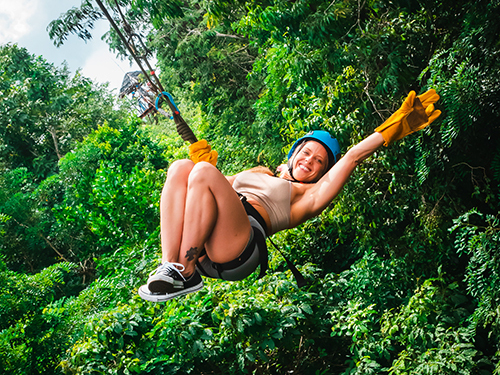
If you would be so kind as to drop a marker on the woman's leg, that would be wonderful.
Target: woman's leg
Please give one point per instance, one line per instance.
(214, 219)
(172, 208)
(199, 209)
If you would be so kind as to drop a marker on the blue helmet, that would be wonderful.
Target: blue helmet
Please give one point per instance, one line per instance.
(324, 138)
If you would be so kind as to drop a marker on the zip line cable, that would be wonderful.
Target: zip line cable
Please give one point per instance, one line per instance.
(182, 127)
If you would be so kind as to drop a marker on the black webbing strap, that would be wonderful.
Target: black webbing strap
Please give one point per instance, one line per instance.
(258, 240)
(298, 276)
(184, 130)
(250, 210)
(263, 253)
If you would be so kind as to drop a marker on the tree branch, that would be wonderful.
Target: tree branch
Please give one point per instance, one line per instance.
(44, 238)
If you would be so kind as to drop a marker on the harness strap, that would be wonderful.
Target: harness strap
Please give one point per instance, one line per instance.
(263, 254)
(257, 240)
(198, 263)
(296, 273)
(250, 210)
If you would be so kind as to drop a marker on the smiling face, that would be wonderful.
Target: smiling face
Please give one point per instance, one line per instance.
(310, 162)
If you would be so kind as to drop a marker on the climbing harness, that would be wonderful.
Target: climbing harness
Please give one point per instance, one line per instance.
(250, 210)
(242, 266)
(238, 268)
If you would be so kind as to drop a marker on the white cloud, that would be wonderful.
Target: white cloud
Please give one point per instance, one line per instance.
(102, 66)
(25, 21)
(15, 19)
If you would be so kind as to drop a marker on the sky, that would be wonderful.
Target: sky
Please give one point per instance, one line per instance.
(24, 22)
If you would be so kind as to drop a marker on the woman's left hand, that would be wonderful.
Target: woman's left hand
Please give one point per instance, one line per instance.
(416, 113)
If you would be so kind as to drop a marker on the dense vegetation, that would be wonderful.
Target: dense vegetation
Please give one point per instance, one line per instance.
(403, 268)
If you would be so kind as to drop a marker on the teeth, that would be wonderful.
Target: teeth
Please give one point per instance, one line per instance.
(304, 168)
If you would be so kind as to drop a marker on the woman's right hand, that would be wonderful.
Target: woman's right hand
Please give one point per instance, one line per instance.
(201, 151)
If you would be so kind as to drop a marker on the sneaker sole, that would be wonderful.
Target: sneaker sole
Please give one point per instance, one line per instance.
(146, 294)
(164, 286)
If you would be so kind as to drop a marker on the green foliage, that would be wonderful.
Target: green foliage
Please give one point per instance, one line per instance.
(113, 338)
(158, 11)
(129, 210)
(226, 328)
(29, 336)
(22, 294)
(431, 333)
(44, 111)
(23, 243)
(465, 72)
(76, 21)
(428, 335)
(402, 267)
(209, 65)
(85, 210)
(477, 236)
(115, 174)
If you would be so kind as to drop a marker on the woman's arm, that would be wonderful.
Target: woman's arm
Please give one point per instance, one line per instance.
(415, 114)
(319, 195)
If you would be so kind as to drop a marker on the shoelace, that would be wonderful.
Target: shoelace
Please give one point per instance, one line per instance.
(167, 267)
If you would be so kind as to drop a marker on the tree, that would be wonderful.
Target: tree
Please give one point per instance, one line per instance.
(406, 273)
(44, 111)
(206, 65)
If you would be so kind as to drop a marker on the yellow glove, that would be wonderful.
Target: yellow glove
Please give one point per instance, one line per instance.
(201, 151)
(416, 113)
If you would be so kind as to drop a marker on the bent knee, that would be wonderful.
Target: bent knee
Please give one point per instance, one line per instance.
(203, 172)
(180, 169)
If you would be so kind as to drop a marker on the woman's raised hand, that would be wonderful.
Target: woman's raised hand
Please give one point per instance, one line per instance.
(416, 113)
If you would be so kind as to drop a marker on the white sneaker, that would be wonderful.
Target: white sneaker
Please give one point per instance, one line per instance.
(192, 284)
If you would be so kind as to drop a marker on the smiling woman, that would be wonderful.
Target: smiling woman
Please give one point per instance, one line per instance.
(215, 226)
(310, 162)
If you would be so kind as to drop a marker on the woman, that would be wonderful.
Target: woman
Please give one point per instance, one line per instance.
(205, 228)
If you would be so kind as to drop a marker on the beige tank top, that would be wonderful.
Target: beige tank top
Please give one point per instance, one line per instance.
(272, 193)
